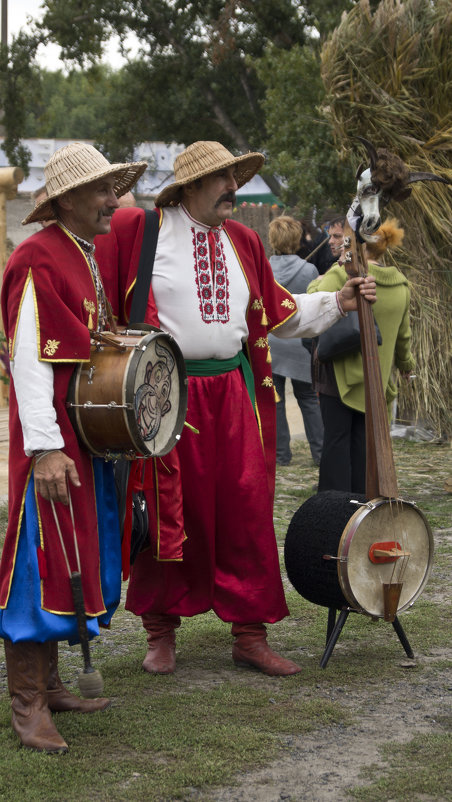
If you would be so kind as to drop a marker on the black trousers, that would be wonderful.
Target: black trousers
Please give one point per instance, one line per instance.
(343, 462)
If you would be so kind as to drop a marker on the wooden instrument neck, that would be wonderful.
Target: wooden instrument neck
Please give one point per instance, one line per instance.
(381, 477)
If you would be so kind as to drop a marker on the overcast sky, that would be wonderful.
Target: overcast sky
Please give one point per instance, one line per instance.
(19, 10)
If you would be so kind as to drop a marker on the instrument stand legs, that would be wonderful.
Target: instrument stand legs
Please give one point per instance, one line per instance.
(335, 632)
(334, 629)
(402, 637)
(331, 623)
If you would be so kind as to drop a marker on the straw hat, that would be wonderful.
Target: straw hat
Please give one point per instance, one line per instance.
(203, 158)
(77, 164)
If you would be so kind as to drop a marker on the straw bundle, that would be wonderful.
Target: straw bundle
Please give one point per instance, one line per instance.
(388, 77)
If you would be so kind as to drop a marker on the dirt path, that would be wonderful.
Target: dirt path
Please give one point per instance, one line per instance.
(323, 765)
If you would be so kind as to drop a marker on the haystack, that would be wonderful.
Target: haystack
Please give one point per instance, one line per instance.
(388, 78)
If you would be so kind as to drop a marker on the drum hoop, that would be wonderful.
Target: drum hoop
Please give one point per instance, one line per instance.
(74, 412)
(143, 338)
(129, 388)
(346, 539)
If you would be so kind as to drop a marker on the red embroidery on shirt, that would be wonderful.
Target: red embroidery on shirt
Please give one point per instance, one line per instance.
(213, 291)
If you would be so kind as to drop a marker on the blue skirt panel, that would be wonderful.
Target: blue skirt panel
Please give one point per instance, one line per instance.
(24, 618)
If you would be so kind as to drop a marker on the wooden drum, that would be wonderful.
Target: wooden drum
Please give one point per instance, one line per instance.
(339, 553)
(131, 398)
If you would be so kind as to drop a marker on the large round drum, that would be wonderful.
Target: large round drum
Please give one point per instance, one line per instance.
(335, 551)
(131, 398)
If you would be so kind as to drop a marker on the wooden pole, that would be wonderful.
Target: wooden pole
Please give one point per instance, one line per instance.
(4, 22)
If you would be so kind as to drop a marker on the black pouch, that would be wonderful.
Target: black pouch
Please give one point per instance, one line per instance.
(342, 338)
(140, 520)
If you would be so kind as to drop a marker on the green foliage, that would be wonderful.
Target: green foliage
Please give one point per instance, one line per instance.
(192, 80)
(195, 77)
(73, 106)
(19, 81)
(198, 76)
(299, 142)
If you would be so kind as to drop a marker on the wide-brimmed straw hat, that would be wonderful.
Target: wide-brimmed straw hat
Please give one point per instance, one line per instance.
(76, 164)
(203, 158)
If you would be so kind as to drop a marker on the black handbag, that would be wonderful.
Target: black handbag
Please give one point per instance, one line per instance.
(139, 538)
(342, 338)
(121, 468)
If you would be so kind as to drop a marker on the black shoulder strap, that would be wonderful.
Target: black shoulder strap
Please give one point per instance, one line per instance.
(145, 266)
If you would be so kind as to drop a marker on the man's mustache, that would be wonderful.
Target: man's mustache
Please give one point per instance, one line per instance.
(105, 212)
(228, 196)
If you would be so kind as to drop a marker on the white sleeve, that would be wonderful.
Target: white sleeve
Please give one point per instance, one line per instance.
(33, 383)
(315, 313)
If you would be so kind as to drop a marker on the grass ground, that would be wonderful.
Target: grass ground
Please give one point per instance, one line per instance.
(199, 734)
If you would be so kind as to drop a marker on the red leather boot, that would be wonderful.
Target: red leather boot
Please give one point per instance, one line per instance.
(27, 665)
(60, 699)
(250, 648)
(161, 638)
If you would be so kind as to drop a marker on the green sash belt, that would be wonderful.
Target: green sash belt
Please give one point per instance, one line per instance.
(214, 367)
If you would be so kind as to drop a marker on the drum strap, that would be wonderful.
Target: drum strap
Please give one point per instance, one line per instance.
(145, 266)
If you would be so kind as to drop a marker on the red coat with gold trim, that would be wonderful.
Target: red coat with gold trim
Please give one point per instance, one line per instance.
(65, 306)
(269, 306)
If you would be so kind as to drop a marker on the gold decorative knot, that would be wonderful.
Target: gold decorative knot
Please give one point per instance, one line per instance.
(288, 303)
(267, 382)
(90, 307)
(257, 304)
(51, 347)
(262, 342)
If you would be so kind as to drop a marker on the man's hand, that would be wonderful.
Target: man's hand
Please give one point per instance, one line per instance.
(367, 288)
(50, 476)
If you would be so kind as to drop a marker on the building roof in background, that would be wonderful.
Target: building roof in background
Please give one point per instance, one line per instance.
(159, 155)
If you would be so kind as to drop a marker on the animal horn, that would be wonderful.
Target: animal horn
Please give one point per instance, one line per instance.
(426, 177)
(370, 150)
(360, 170)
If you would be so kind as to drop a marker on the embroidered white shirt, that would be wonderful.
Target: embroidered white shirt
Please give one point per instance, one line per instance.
(207, 314)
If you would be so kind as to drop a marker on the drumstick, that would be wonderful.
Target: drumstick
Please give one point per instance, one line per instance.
(90, 682)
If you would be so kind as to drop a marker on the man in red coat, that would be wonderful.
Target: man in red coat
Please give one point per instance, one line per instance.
(52, 301)
(213, 290)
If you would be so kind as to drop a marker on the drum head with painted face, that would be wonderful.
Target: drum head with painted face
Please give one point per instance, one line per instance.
(156, 394)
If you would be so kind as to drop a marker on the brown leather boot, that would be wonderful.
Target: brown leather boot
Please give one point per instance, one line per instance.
(59, 699)
(161, 655)
(250, 648)
(28, 670)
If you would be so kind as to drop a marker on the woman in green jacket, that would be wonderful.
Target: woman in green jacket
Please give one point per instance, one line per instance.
(340, 383)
